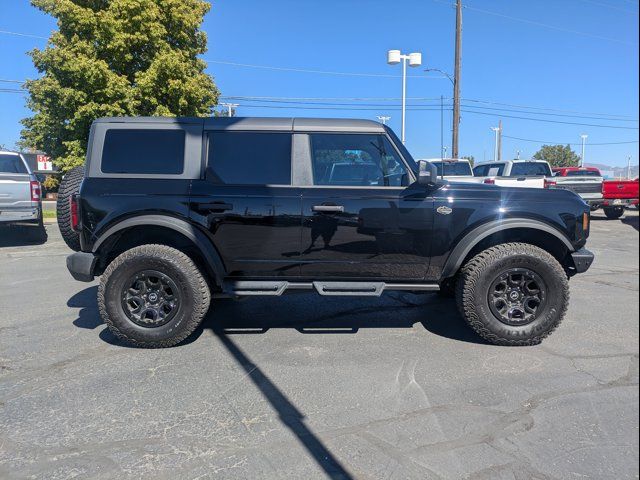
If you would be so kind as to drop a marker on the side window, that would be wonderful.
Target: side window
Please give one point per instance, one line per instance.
(356, 160)
(143, 151)
(249, 158)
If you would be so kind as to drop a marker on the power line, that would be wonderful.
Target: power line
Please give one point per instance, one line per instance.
(552, 121)
(608, 5)
(568, 143)
(320, 72)
(18, 34)
(544, 25)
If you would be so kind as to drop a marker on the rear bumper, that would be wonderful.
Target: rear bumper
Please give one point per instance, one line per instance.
(17, 215)
(81, 265)
(582, 260)
(619, 202)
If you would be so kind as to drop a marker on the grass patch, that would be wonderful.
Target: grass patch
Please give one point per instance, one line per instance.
(49, 214)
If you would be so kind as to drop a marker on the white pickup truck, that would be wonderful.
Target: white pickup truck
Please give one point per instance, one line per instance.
(515, 173)
(454, 170)
(20, 193)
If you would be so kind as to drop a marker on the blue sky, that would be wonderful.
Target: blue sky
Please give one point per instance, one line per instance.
(577, 58)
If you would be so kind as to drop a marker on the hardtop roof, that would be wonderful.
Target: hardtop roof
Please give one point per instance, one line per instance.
(260, 123)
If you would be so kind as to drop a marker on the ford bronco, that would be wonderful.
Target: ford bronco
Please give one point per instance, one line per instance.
(174, 212)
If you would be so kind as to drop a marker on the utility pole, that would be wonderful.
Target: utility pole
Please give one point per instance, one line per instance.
(230, 107)
(517, 154)
(584, 139)
(383, 119)
(456, 81)
(500, 140)
(495, 147)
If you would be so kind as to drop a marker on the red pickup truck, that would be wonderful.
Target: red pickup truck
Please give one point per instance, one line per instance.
(618, 195)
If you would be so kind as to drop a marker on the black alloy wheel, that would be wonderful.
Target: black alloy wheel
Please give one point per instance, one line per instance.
(150, 298)
(516, 296)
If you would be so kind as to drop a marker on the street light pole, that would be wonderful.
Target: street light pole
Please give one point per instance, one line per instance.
(415, 60)
(628, 167)
(584, 139)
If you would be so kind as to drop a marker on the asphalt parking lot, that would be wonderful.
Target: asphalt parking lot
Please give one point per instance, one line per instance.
(311, 387)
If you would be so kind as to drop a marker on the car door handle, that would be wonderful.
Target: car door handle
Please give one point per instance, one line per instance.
(216, 206)
(328, 208)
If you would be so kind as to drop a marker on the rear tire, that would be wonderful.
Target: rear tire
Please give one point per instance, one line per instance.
(153, 296)
(69, 186)
(613, 213)
(496, 294)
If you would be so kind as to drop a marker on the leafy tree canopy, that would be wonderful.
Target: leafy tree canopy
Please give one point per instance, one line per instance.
(470, 158)
(115, 58)
(558, 156)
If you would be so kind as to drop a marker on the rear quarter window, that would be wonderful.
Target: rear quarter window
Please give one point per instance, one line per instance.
(143, 151)
(11, 164)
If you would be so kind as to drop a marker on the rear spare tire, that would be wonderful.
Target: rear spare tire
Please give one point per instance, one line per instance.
(69, 186)
(513, 294)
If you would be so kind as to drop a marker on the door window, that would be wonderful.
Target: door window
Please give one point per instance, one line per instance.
(249, 158)
(356, 160)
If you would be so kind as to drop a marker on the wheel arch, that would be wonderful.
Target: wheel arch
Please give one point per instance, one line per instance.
(159, 229)
(505, 231)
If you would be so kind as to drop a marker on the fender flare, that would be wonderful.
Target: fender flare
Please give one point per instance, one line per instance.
(475, 236)
(200, 240)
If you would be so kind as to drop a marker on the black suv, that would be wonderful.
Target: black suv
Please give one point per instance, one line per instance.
(172, 212)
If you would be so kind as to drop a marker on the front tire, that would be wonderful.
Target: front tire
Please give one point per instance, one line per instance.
(614, 213)
(153, 296)
(513, 294)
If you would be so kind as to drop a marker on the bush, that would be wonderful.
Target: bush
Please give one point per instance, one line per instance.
(51, 183)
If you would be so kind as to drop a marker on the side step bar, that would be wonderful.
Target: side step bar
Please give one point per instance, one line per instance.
(357, 289)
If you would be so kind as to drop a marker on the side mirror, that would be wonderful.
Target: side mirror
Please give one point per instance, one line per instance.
(427, 173)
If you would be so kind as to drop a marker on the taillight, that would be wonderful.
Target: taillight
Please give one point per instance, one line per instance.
(585, 222)
(35, 191)
(489, 181)
(550, 183)
(73, 209)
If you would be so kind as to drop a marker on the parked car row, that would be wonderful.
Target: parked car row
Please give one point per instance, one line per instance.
(613, 196)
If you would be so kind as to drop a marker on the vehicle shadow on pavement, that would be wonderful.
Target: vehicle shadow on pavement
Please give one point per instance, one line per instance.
(631, 221)
(88, 315)
(17, 236)
(256, 316)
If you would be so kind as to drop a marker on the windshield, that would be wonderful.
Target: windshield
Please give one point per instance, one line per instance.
(583, 173)
(525, 169)
(11, 164)
(453, 169)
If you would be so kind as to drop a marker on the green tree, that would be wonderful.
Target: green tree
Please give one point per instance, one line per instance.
(470, 158)
(115, 58)
(558, 156)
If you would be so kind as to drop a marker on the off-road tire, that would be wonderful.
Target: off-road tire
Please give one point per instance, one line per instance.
(69, 186)
(478, 274)
(613, 213)
(193, 287)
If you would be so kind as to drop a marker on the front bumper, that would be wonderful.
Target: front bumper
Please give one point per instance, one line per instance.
(582, 260)
(81, 265)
